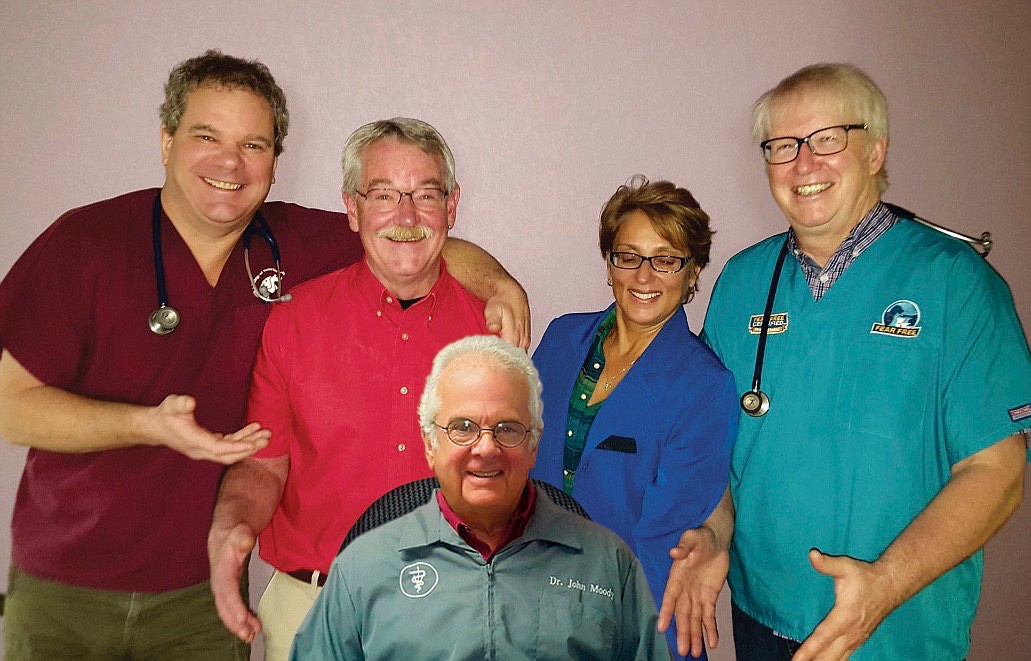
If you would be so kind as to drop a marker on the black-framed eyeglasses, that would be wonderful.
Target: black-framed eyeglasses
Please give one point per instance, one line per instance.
(507, 433)
(429, 198)
(824, 142)
(660, 263)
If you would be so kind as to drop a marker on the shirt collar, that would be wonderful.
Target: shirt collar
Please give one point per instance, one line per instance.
(520, 519)
(875, 223)
(385, 304)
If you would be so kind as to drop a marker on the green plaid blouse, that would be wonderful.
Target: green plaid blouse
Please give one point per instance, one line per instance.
(581, 415)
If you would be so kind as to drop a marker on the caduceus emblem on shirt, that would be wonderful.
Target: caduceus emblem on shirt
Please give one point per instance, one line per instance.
(418, 579)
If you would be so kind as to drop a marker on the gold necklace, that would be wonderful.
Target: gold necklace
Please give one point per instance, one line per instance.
(607, 384)
(611, 381)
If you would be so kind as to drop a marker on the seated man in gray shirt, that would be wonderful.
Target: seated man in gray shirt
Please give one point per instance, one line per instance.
(489, 568)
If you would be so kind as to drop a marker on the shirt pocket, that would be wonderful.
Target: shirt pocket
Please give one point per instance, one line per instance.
(885, 387)
(569, 627)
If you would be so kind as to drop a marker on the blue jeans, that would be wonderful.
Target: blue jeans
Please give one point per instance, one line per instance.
(754, 641)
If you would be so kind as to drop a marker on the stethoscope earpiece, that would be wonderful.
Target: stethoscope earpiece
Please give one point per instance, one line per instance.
(164, 320)
(755, 403)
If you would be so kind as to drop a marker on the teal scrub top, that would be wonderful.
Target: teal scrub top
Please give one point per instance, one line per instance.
(912, 361)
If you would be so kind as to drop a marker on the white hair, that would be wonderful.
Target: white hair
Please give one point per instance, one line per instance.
(490, 352)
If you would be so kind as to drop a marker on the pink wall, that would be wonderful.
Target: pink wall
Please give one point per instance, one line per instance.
(548, 107)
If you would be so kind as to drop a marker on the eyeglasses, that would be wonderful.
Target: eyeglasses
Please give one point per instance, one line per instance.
(824, 142)
(659, 263)
(507, 434)
(385, 199)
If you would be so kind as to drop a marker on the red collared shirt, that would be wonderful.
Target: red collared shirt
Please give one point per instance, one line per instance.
(520, 519)
(337, 381)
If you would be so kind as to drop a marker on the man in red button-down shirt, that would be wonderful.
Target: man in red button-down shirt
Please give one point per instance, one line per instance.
(338, 378)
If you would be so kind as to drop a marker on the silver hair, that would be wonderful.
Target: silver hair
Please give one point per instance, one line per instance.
(412, 131)
(490, 352)
(858, 92)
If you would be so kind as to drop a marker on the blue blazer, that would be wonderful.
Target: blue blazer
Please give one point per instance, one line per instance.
(657, 457)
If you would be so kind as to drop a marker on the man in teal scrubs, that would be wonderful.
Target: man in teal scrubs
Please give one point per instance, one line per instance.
(899, 386)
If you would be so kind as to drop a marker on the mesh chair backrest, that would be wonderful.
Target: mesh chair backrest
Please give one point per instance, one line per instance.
(407, 497)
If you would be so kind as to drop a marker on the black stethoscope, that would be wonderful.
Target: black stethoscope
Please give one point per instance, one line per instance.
(166, 318)
(755, 402)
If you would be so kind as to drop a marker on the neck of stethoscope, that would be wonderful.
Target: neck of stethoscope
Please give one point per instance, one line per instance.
(764, 330)
(159, 261)
(165, 318)
(755, 402)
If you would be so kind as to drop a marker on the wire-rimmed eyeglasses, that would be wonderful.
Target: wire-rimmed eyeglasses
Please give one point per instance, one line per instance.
(463, 432)
(823, 142)
(623, 259)
(429, 198)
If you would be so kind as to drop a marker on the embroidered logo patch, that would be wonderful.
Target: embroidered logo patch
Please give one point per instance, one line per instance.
(901, 318)
(778, 323)
(418, 580)
(1021, 412)
(267, 282)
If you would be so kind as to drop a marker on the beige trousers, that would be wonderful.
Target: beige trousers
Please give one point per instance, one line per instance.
(283, 606)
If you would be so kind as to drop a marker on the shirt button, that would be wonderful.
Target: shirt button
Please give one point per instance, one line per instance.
(404, 390)
(379, 313)
(597, 366)
(569, 433)
(404, 336)
(824, 278)
(389, 300)
(583, 396)
(400, 447)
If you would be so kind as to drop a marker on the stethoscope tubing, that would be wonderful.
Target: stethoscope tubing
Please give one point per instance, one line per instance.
(755, 402)
(165, 318)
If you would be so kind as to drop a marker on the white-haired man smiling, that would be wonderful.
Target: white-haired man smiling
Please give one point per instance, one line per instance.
(490, 568)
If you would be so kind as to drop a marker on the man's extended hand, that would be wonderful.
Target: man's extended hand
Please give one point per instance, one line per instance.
(509, 315)
(699, 569)
(863, 597)
(171, 423)
(227, 552)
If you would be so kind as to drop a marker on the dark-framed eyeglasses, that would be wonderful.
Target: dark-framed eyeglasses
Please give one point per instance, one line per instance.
(463, 432)
(622, 259)
(824, 142)
(429, 198)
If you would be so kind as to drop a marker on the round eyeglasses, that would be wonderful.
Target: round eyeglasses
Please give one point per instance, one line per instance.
(659, 263)
(824, 142)
(385, 199)
(507, 434)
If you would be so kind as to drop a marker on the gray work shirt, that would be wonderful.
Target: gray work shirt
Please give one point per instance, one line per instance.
(413, 589)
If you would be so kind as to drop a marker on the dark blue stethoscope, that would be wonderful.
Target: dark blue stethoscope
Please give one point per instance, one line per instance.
(166, 318)
(755, 402)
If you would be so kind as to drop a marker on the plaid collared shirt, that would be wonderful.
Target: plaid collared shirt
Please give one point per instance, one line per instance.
(877, 222)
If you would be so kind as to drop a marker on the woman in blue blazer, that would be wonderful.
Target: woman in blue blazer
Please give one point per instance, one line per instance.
(639, 415)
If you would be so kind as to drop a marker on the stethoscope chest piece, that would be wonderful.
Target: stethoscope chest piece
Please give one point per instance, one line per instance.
(755, 403)
(164, 320)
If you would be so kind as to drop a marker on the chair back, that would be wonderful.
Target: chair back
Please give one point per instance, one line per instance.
(407, 497)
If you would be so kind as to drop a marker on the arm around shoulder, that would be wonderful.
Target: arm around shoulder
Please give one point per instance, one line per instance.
(508, 311)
